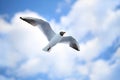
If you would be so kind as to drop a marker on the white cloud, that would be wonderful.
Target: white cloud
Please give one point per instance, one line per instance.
(3, 23)
(100, 70)
(62, 5)
(103, 70)
(25, 43)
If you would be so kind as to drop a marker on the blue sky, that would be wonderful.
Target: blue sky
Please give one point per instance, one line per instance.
(95, 24)
(41, 7)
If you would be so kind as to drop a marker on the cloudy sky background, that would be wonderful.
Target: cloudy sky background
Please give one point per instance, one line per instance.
(94, 23)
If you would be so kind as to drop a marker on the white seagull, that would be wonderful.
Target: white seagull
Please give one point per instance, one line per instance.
(52, 37)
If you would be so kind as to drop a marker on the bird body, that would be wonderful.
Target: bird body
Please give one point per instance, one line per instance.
(56, 39)
(52, 37)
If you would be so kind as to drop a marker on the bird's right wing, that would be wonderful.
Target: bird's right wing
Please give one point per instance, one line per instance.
(43, 25)
(71, 41)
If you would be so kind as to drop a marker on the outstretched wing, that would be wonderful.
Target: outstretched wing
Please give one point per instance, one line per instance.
(43, 25)
(71, 41)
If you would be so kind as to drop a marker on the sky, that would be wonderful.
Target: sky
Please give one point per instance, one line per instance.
(95, 24)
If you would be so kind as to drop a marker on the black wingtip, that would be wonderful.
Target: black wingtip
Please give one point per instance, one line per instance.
(21, 18)
(77, 49)
(75, 46)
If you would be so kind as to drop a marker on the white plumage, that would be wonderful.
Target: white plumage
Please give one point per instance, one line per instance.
(52, 37)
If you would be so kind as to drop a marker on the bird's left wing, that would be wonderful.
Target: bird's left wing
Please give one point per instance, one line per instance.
(43, 25)
(71, 41)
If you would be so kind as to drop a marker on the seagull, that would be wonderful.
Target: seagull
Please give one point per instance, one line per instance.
(52, 37)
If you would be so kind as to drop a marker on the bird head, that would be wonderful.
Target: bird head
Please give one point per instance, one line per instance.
(62, 33)
(29, 20)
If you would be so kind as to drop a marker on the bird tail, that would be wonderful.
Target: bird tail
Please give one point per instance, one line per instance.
(47, 49)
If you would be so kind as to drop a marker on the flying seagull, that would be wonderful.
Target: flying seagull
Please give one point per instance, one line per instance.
(52, 37)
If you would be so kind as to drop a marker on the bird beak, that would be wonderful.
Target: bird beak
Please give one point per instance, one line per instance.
(30, 21)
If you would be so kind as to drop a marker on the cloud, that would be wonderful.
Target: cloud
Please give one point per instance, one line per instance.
(102, 70)
(21, 44)
(63, 6)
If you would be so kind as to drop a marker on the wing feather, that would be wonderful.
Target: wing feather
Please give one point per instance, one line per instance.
(43, 25)
(71, 41)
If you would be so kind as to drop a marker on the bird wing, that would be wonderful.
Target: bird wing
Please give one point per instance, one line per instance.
(43, 25)
(71, 41)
